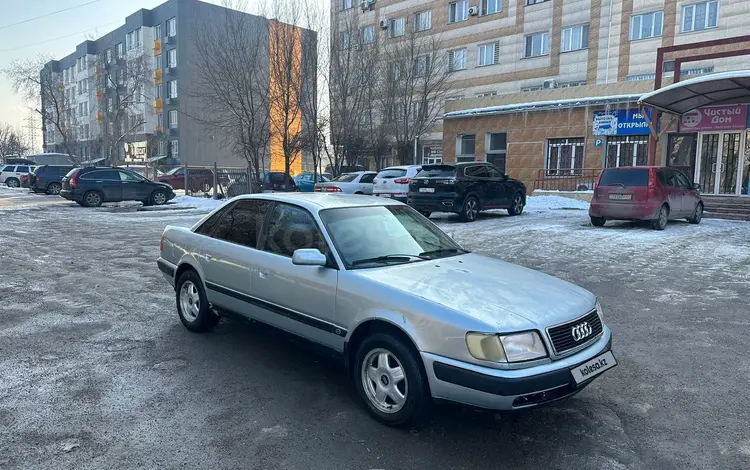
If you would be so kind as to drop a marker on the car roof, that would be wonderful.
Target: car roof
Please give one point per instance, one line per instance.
(318, 201)
(401, 167)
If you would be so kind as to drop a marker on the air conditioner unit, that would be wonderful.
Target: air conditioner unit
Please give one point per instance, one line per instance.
(474, 11)
(384, 24)
(551, 83)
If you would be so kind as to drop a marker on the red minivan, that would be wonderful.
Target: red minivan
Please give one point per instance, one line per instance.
(657, 194)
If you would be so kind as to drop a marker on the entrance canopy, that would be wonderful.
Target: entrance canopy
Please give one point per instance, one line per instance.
(706, 90)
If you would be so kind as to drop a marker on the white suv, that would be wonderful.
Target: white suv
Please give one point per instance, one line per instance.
(393, 182)
(12, 175)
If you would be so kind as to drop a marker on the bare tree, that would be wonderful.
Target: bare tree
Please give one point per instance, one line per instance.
(43, 89)
(232, 87)
(11, 142)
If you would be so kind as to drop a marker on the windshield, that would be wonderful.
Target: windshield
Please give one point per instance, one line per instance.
(391, 173)
(174, 170)
(372, 236)
(348, 178)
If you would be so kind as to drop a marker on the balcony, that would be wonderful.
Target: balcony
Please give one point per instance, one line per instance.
(158, 105)
(157, 47)
(158, 76)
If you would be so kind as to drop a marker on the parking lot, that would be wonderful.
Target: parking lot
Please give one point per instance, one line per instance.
(96, 370)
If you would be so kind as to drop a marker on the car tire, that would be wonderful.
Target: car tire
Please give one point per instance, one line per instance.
(426, 213)
(516, 206)
(12, 183)
(159, 198)
(205, 187)
(469, 210)
(660, 222)
(377, 381)
(93, 199)
(598, 221)
(54, 189)
(192, 304)
(697, 214)
(359, 192)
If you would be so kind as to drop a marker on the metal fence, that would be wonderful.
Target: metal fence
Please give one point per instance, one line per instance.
(579, 179)
(204, 181)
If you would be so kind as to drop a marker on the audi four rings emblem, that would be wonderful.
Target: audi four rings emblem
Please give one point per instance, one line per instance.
(581, 331)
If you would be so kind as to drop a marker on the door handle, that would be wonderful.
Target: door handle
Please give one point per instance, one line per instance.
(262, 273)
(713, 168)
(208, 257)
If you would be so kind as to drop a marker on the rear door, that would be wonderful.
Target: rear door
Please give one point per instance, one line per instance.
(503, 188)
(365, 183)
(133, 187)
(623, 186)
(674, 193)
(690, 196)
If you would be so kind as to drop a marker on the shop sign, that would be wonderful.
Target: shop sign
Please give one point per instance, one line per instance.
(621, 122)
(715, 118)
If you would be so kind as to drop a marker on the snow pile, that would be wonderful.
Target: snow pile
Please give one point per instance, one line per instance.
(16, 191)
(545, 203)
(200, 203)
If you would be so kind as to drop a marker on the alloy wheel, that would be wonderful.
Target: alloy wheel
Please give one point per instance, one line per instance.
(517, 204)
(384, 380)
(471, 209)
(698, 213)
(12, 183)
(54, 189)
(159, 198)
(93, 199)
(189, 301)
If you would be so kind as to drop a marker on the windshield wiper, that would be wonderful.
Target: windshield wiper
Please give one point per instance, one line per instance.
(441, 251)
(386, 258)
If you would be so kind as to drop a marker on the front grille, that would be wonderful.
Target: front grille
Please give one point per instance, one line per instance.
(562, 335)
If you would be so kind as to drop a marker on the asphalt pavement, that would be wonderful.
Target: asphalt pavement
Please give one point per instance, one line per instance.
(96, 370)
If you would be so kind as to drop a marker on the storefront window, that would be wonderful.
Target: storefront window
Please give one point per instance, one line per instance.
(630, 150)
(564, 157)
(681, 153)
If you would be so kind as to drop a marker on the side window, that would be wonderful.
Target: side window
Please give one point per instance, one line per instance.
(495, 174)
(367, 179)
(291, 228)
(662, 176)
(682, 180)
(242, 223)
(125, 176)
(477, 171)
(22, 169)
(207, 227)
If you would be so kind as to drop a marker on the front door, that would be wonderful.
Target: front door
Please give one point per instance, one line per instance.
(719, 162)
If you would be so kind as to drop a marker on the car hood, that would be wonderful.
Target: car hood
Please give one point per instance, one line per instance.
(503, 295)
(162, 184)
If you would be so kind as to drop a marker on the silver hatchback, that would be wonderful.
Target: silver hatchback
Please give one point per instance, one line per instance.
(414, 316)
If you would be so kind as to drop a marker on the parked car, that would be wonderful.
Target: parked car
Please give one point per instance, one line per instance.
(12, 175)
(48, 178)
(657, 194)
(359, 182)
(343, 169)
(199, 179)
(306, 181)
(393, 182)
(465, 189)
(395, 296)
(93, 186)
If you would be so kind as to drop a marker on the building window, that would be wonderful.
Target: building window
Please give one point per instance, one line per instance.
(536, 45)
(564, 157)
(174, 147)
(457, 60)
(496, 148)
(345, 4)
(488, 54)
(160, 148)
(172, 88)
(157, 31)
(160, 120)
(172, 27)
(423, 21)
(108, 56)
(173, 119)
(575, 38)
(368, 34)
(421, 66)
(489, 7)
(157, 93)
(86, 131)
(138, 37)
(129, 41)
(630, 150)
(172, 58)
(700, 16)
(345, 40)
(118, 50)
(465, 146)
(647, 25)
(458, 11)
(396, 27)
(534, 2)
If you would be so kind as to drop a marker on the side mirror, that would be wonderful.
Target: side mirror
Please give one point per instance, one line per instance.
(309, 257)
(696, 186)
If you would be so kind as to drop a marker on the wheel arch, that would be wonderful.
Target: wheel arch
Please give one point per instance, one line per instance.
(374, 325)
(187, 263)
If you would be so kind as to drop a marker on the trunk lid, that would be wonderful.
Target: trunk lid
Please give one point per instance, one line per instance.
(435, 179)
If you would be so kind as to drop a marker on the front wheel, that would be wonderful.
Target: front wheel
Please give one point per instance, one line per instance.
(54, 189)
(391, 381)
(697, 214)
(470, 209)
(660, 222)
(598, 221)
(516, 206)
(192, 305)
(159, 198)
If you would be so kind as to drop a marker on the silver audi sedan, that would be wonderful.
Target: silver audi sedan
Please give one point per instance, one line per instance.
(414, 316)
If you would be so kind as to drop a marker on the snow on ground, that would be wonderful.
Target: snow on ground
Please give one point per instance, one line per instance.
(200, 203)
(5, 190)
(542, 203)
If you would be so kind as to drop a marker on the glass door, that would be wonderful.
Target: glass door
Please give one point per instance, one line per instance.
(720, 163)
(708, 159)
(730, 162)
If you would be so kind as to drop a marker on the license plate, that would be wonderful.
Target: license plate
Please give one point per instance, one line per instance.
(594, 367)
(621, 197)
(426, 190)
(384, 195)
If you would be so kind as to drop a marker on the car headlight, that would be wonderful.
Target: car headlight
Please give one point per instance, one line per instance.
(517, 347)
(599, 311)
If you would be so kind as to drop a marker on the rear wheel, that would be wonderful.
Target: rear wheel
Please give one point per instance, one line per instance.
(598, 221)
(54, 189)
(660, 222)
(516, 207)
(192, 305)
(697, 214)
(12, 183)
(92, 199)
(470, 209)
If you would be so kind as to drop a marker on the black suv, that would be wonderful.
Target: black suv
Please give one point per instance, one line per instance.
(91, 187)
(48, 178)
(466, 189)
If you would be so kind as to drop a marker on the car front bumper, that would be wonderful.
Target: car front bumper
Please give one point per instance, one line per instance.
(502, 389)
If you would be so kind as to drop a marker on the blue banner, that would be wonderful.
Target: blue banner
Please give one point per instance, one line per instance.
(621, 122)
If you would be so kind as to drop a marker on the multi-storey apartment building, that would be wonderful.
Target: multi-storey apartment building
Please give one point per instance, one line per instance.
(132, 95)
(514, 62)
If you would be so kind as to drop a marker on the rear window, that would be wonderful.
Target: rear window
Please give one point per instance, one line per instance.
(391, 173)
(629, 177)
(347, 178)
(437, 171)
(276, 178)
(71, 172)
